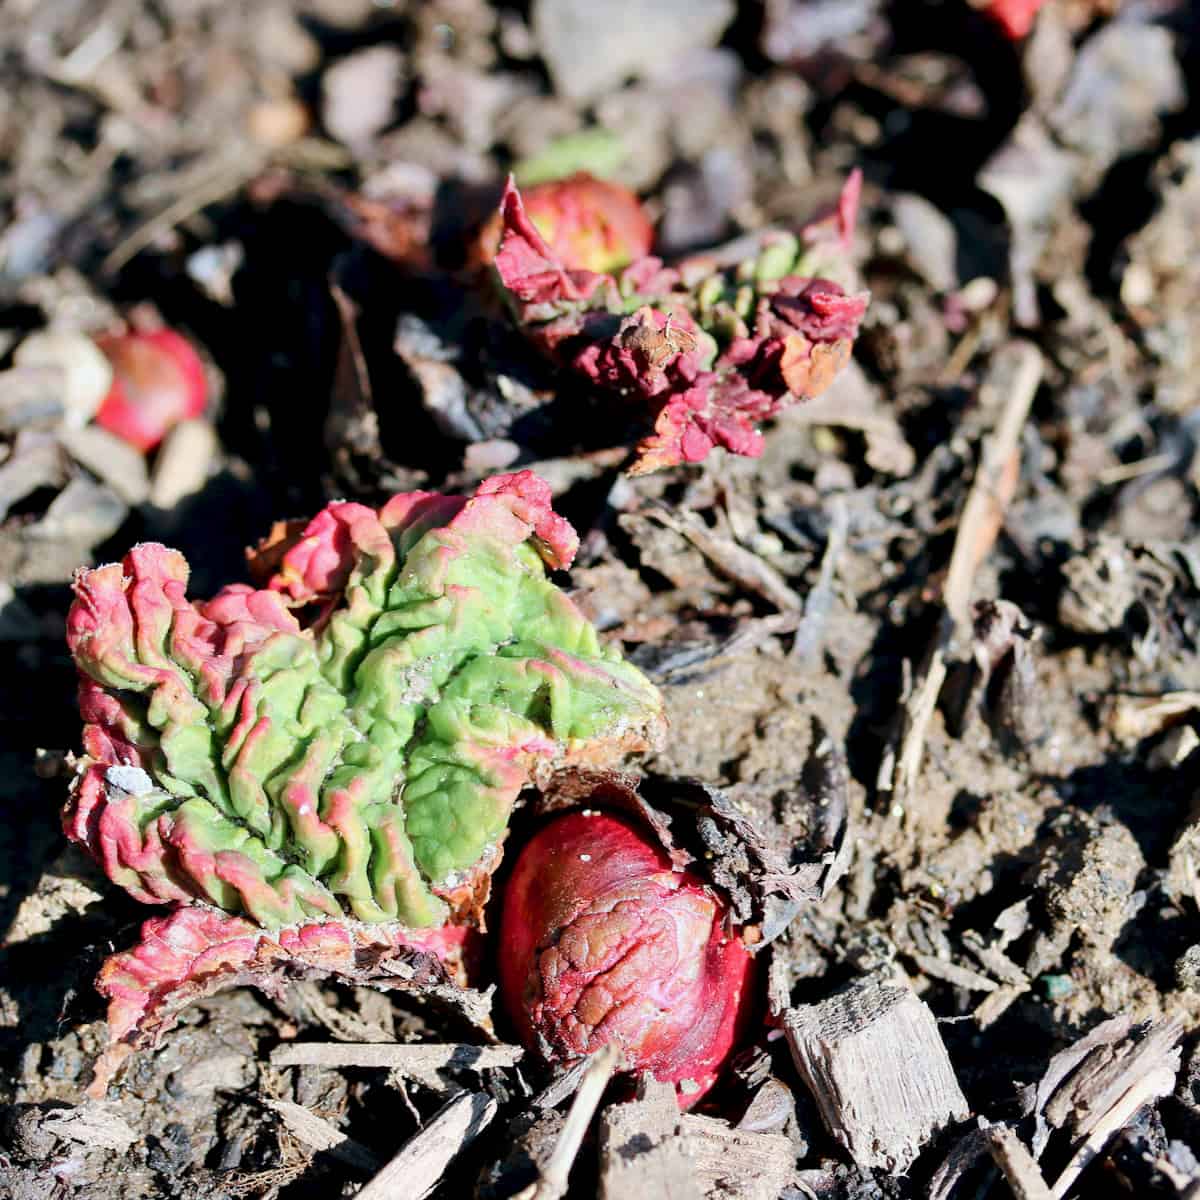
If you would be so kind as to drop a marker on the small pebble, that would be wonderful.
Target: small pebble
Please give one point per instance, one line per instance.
(276, 123)
(183, 463)
(87, 373)
(1187, 969)
(359, 94)
(111, 459)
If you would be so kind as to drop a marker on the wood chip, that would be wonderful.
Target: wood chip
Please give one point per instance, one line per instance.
(852, 402)
(111, 459)
(1132, 718)
(952, 973)
(91, 1124)
(821, 599)
(649, 1148)
(418, 1167)
(1105, 1079)
(874, 1061)
(993, 1007)
(184, 461)
(1089, 1092)
(736, 1164)
(963, 1156)
(414, 1060)
(564, 1085)
(321, 1135)
(641, 1152)
(1019, 1167)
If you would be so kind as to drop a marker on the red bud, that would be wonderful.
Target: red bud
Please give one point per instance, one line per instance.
(601, 940)
(590, 224)
(1015, 17)
(158, 381)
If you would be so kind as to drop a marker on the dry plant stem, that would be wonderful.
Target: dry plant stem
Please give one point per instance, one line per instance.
(226, 179)
(992, 488)
(978, 528)
(753, 631)
(321, 1135)
(557, 1170)
(961, 355)
(393, 1057)
(229, 173)
(738, 564)
(418, 1167)
(1123, 472)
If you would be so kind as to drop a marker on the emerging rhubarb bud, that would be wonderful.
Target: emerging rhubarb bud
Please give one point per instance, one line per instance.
(1015, 17)
(350, 739)
(590, 224)
(603, 941)
(158, 381)
(714, 346)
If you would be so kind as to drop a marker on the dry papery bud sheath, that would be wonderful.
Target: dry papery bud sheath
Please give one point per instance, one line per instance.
(590, 224)
(158, 381)
(602, 940)
(344, 745)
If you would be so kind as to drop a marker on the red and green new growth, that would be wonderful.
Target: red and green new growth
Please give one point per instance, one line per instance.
(602, 940)
(194, 950)
(348, 741)
(714, 346)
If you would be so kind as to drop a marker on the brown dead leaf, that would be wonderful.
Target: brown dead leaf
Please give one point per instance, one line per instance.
(265, 559)
(808, 368)
(657, 346)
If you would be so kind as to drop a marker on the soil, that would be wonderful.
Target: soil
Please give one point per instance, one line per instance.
(293, 184)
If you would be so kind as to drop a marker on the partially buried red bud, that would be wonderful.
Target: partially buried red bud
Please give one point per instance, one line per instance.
(590, 224)
(1015, 17)
(601, 940)
(158, 381)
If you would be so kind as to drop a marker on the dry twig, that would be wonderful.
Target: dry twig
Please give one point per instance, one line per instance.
(978, 528)
(555, 1173)
(735, 562)
(418, 1059)
(321, 1135)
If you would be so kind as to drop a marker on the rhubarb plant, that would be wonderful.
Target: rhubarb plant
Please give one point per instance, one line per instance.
(345, 743)
(711, 347)
(606, 940)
